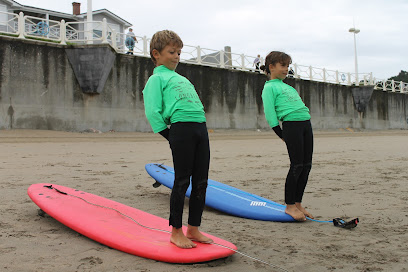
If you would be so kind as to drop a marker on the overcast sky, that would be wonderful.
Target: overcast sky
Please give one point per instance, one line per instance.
(313, 32)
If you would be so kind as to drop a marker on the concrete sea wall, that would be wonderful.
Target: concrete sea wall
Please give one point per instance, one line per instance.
(43, 87)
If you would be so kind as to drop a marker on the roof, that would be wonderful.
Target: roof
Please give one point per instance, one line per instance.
(18, 6)
(111, 14)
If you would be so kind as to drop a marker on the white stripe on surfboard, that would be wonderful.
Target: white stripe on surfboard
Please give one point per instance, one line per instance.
(243, 198)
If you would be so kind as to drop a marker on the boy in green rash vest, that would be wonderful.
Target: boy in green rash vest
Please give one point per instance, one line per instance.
(171, 100)
(283, 103)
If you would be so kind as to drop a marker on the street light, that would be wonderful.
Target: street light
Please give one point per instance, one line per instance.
(89, 19)
(355, 31)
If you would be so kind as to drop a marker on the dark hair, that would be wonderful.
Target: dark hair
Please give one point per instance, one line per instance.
(273, 58)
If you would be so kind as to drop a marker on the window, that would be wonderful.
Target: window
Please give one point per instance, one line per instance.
(3, 16)
(116, 28)
(97, 34)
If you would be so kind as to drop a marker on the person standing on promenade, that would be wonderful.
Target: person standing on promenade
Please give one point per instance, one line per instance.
(130, 41)
(257, 62)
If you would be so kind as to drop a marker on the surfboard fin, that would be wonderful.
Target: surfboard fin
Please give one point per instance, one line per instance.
(161, 166)
(41, 213)
(156, 184)
(50, 187)
(338, 222)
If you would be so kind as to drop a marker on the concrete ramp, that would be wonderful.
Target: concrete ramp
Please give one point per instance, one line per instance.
(91, 67)
(362, 96)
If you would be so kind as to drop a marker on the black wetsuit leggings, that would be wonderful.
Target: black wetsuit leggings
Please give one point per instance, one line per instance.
(191, 158)
(298, 136)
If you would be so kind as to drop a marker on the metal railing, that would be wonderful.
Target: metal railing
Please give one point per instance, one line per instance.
(101, 32)
(329, 76)
(95, 31)
(37, 27)
(391, 85)
(10, 24)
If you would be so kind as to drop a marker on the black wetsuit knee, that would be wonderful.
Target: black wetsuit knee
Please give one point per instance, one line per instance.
(296, 170)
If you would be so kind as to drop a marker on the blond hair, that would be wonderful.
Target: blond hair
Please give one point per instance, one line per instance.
(163, 38)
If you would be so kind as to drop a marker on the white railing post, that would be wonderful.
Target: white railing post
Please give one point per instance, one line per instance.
(88, 32)
(198, 55)
(63, 32)
(47, 18)
(384, 83)
(222, 60)
(392, 86)
(146, 52)
(324, 74)
(113, 39)
(337, 77)
(104, 31)
(371, 79)
(311, 72)
(21, 25)
(296, 70)
(242, 61)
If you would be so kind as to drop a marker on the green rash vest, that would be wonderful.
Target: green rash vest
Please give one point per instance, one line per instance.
(170, 98)
(282, 103)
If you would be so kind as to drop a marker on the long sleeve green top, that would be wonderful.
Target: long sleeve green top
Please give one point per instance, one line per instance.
(171, 98)
(282, 103)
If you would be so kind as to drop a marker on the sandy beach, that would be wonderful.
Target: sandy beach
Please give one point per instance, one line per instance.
(360, 174)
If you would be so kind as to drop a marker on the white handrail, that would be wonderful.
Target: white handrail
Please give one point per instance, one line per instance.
(35, 27)
(10, 25)
(76, 32)
(391, 85)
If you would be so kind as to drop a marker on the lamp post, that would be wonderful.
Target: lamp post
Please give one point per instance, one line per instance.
(355, 31)
(89, 19)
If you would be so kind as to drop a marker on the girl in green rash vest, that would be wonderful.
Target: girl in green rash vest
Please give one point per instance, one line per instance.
(170, 99)
(283, 103)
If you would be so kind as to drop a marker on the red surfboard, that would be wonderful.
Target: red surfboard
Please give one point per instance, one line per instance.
(121, 227)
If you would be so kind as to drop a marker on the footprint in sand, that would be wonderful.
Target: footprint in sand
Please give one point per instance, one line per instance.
(89, 262)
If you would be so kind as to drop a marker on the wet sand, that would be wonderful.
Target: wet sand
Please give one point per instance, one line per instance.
(355, 174)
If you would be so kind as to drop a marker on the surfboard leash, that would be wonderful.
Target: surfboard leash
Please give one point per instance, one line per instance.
(105, 207)
(166, 231)
(250, 257)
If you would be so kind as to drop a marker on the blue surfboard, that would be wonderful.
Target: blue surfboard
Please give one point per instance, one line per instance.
(226, 198)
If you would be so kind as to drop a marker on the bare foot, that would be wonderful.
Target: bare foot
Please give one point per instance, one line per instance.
(293, 211)
(303, 210)
(180, 240)
(195, 235)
